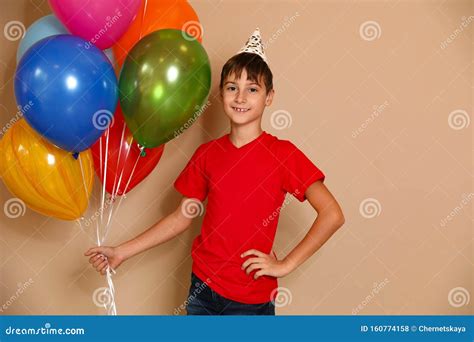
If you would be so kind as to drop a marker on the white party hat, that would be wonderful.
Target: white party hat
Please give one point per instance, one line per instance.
(254, 45)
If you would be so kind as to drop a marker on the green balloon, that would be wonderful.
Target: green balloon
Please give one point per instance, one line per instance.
(164, 83)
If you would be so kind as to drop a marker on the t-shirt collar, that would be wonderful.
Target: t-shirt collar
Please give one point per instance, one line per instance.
(261, 137)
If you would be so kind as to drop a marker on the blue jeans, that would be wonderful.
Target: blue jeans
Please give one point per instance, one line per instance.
(202, 300)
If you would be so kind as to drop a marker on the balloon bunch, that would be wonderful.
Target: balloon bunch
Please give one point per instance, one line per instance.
(101, 85)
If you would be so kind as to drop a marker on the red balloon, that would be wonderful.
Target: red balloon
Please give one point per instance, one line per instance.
(123, 157)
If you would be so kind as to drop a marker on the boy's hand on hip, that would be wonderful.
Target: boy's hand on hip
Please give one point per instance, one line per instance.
(264, 264)
(102, 257)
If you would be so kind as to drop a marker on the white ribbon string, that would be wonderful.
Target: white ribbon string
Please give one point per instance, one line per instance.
(109, 305)
(116, 186)
(112, 308)
(126, 186)
(104, 175)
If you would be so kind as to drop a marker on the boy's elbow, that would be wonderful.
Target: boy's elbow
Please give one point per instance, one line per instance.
(180, 221)
(341, 221)
(338, 219)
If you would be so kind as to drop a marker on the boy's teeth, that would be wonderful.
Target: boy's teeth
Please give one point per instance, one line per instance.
(240, 109)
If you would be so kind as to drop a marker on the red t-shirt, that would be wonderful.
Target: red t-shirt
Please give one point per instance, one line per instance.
(245, 188)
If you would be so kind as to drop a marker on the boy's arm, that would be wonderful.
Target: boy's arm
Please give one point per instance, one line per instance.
(162, 231)
(330, 219)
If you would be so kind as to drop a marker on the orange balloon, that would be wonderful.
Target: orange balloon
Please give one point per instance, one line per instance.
(155, 15)
(46, 178)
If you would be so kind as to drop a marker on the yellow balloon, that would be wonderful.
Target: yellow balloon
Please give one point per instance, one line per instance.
(48, 179)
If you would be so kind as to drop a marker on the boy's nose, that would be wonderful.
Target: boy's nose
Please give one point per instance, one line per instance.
(240, 98)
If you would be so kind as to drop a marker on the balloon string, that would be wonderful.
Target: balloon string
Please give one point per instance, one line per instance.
(143, 18)
(134, 167)
(85, 188)
(126, 186)
(101, 173)
(109, 305)
(118, 165)
(121, 172)
(80, 224)
(79, 220)
(83, 177)
(82, 174)
(116, 189)
(100, 155)
(107, 225)
(104, 177)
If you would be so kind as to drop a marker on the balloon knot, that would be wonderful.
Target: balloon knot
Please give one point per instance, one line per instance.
(75, 155)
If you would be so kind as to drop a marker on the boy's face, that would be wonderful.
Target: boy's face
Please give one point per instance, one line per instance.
(244, 100)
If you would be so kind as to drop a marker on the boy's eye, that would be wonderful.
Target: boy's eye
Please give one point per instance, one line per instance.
(253, 90)
(231, 88)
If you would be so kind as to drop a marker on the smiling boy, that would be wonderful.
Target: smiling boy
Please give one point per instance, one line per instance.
(245, 176)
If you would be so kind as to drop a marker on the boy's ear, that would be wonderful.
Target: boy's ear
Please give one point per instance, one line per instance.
(269, 99)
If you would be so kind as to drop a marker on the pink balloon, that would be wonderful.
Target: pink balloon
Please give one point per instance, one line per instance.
(100, 22)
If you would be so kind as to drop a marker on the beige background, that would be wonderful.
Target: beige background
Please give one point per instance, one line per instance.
(385, 116)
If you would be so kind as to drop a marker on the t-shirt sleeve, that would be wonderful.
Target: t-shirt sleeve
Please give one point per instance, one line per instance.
(193, 182)
(298, 171)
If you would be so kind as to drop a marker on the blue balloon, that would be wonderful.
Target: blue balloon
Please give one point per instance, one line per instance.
(69, 89)
(43, 27)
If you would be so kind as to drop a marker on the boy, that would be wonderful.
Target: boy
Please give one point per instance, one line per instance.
(245, 176)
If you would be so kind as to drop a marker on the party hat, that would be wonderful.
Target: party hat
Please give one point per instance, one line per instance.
(254, 45)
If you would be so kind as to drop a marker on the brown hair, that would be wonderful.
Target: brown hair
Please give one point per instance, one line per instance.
(255, 66)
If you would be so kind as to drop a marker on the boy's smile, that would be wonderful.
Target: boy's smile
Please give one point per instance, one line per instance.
(244, 100)
(240, 110)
